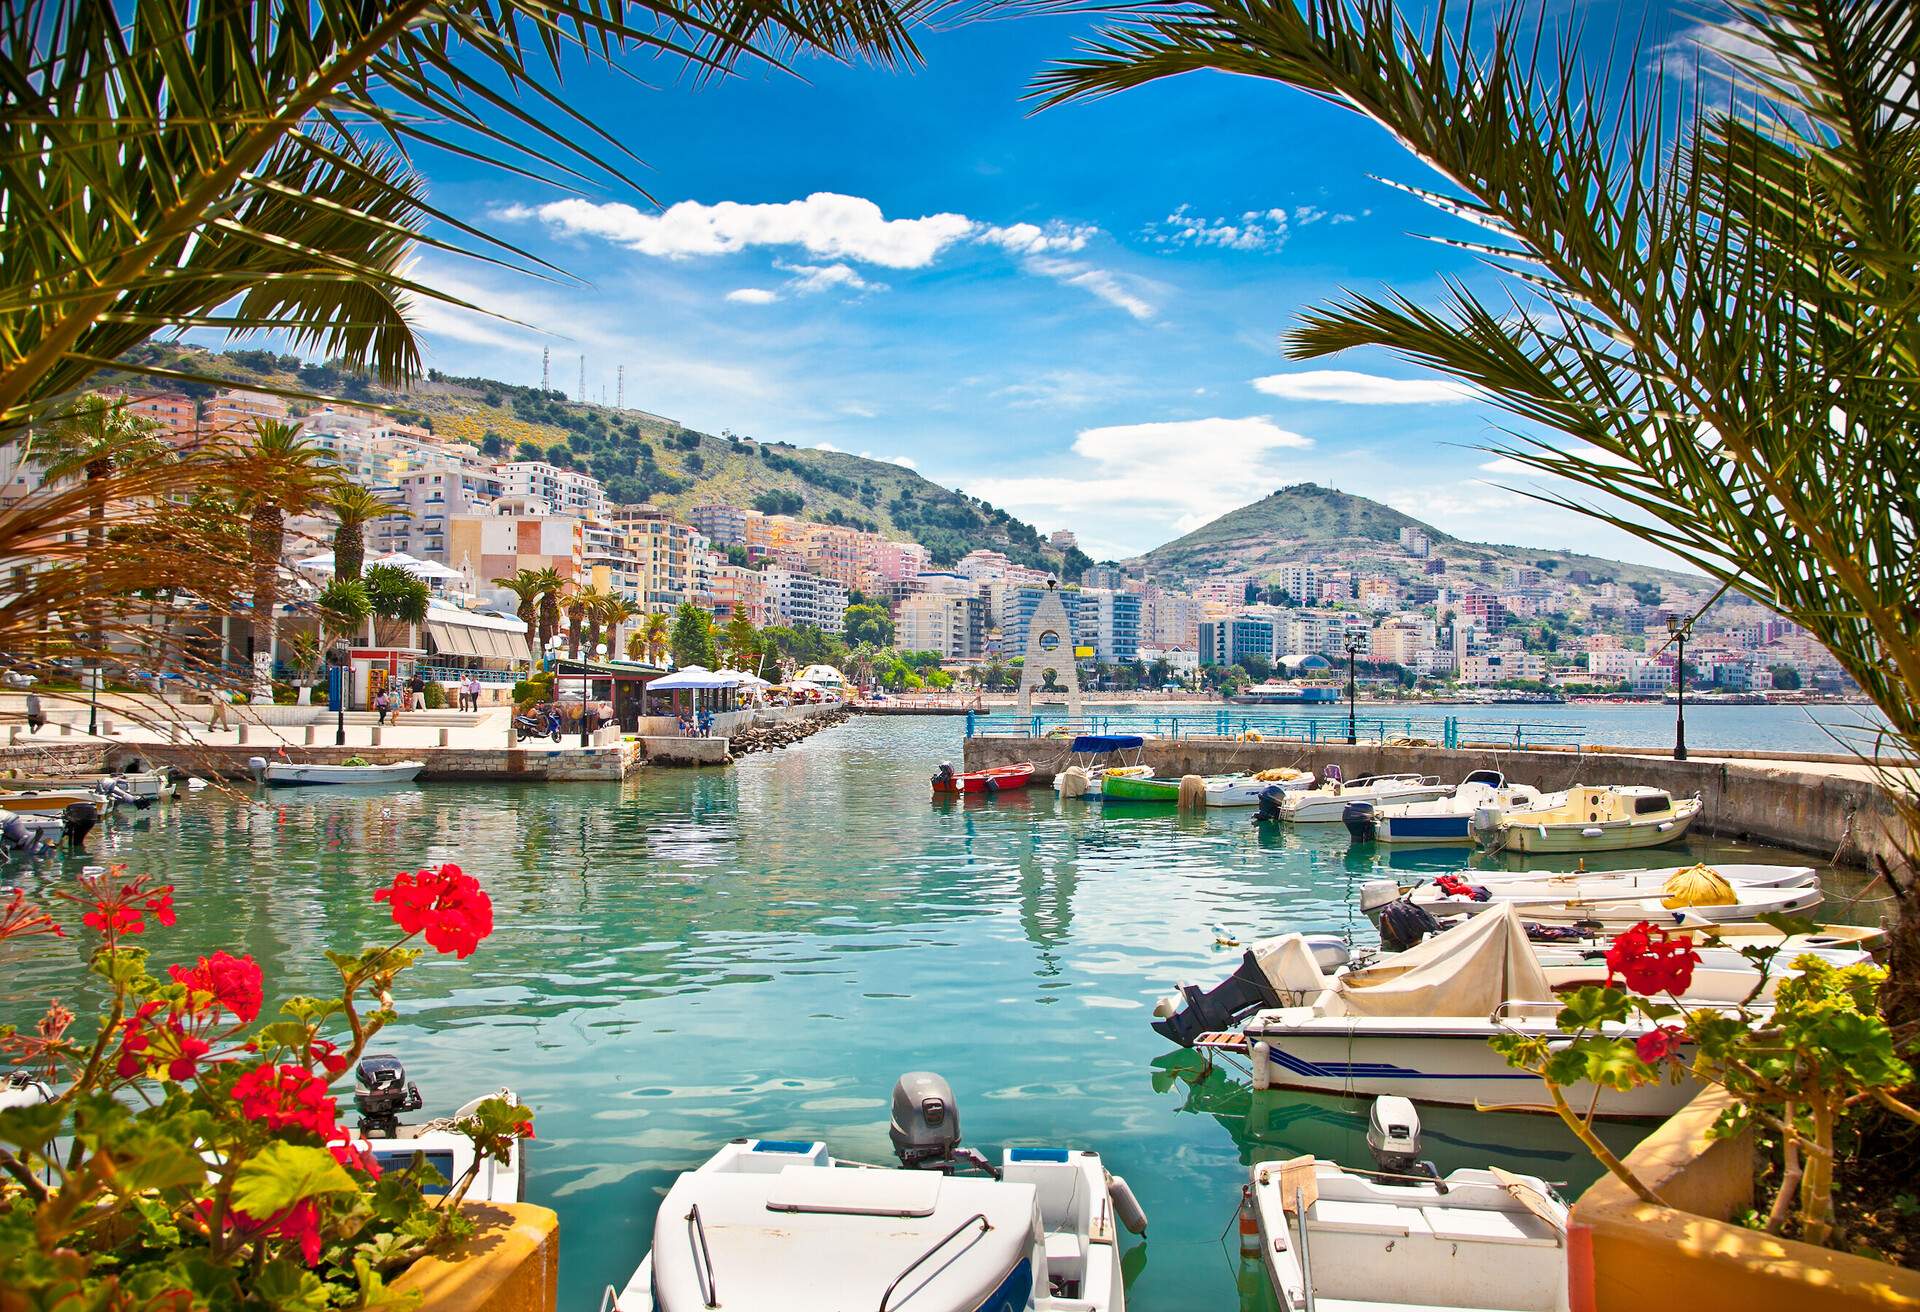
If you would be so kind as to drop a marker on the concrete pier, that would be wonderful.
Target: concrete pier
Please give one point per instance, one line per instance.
(1830, 810)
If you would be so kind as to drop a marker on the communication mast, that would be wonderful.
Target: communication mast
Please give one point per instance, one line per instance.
(620, 387)
(546, 369)
(583, 378)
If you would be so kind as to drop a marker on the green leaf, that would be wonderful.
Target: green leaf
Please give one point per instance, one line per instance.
(31, 1126)
(1591, 1006)
(281, 1174)
(121, 966)
(373, 1293)
(286, 1285)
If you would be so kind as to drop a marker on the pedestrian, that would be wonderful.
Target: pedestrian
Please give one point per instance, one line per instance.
(382, 704)
(473, 692)
(219, 717)
(417, 692)
(36, 713)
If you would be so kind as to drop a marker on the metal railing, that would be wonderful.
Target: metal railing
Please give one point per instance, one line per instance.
(1374, 727)
(942, 1242)
(697, 1241)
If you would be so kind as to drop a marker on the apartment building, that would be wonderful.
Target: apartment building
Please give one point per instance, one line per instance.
(724, 526)
(1299, 580)
(566, 491)
(1230, 642)
(515, 533)
(795, 598)
(1110, 622)
(735, 590)
(664, 553)
(954, 626)
(234, 414)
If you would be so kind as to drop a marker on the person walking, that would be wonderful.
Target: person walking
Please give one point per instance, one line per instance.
(221, 715)
(383, 704)
(36, 713)
(417, 692)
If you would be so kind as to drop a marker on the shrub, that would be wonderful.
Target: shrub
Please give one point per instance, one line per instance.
(436, 695)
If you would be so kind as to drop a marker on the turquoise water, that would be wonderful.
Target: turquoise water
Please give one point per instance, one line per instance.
(692, 956)
(1823, 729)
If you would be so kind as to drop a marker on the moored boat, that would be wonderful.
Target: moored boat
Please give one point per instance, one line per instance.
(1094, 757)
(991, 780)
(1392, 1241)
(1141, 788)
(1093, 780)
(1480, 799)
(52, 801)
(775, 1225)
(1328, 803)
(1693, 895)
(1245, 789)
(288, 774)
(1589, 819)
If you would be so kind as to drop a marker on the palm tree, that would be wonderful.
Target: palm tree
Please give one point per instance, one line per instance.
(266, 208)
(398, 598)
(526, 587)
(355, 507)
(343, 606)
(283, 475)
(575, 606)
(656, 631)
(552, 584)
(614, 611)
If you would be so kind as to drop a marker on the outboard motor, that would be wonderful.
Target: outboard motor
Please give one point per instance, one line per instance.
(1358, 818)
(77, 820)
(1393, 1137)
(121, 795)
(1375, 894)
(381, 1091)
(944, 775)
(925, 1127)
(257, 767)
(1184, 1016)
(16, 836)
(1267, 809)
(1402, 924)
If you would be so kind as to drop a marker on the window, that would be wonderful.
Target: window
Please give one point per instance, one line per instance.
(1649, 805)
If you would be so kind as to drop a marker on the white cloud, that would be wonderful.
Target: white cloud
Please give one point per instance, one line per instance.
(825, 446)
(1108, 286)
(1351, 388)
(824, 224)
(1032, 239)
(753, 296)
(905, 462)
(1253, 230)
(1063, 389)
(810, 278)
(1176, 474)
(1507, 465)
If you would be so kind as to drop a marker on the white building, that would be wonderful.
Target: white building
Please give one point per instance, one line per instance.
(795, 598)
(566, 491)
(1300, 580)
(954, 626)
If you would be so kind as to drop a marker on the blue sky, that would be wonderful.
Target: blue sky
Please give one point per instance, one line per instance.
(1073, 315)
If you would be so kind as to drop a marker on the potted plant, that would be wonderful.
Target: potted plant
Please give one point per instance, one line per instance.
(1805, 1077)
(186, 1150)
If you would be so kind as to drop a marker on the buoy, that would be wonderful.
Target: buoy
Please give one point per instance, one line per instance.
(1249, 1224)
(1125, 1205)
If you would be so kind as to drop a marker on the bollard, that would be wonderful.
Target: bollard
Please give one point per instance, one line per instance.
(443, 737)
(373, 736)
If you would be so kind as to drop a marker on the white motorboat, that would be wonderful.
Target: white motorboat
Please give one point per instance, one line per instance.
(1613, 900)
(382, 1093)
(1417, 1025)
(1480, 799)
(1246, 789)
(1390, 1241)
(1094, 756)
(768, 1225)
(1587, 819)
(1327, 804)
(138, 786)
(287, 774)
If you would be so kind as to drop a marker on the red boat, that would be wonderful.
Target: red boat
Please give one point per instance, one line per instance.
(991, 780)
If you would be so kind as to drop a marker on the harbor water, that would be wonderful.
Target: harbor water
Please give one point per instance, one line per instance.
(696, 955)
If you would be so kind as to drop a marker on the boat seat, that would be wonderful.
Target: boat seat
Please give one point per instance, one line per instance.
(1341, 1217)
(1480, 1226)
(1063, 1252)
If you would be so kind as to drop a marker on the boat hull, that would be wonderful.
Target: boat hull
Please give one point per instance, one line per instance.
(998, 779)
(1618, 836)
(1300, 809)
(1425, 830)
(1141, 790)
(311, 776)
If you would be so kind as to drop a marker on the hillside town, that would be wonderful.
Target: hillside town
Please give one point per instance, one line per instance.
(1410, 617)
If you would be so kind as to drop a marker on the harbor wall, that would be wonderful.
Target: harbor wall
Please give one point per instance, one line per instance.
(1803, 806)
(230, 762)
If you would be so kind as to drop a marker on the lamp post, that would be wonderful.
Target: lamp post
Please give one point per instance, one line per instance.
(93, 699)
(1353, 690)
(1678, 628)
(339, 661)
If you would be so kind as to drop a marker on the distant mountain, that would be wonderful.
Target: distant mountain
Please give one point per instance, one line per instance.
(643, 457)
(1307, 522)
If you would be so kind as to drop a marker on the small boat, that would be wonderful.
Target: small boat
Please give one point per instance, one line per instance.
(1095, 778)
(287, 774)
(1328, 803)
(52, 801)
(1141, 788)
(1245, 789)
(1095, 756)
(128, 785)
(1587, 819)
(1693, 895)
(37, 833)
(991, 780)
(1285, 692)
(1418, 1025)
(778, 1225)
(1481, 798)
(1401, 1238)
(381, 1092)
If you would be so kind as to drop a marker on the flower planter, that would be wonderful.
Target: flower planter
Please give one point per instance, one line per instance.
(510, 1265)
(1628, 1256)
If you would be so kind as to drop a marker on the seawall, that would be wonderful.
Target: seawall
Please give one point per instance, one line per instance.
(1810, 807)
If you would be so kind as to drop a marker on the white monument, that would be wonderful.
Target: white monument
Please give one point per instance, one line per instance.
(1050, 651)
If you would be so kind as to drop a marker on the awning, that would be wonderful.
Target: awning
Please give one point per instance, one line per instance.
(1110, 742)
(457, 640)
(508, 646)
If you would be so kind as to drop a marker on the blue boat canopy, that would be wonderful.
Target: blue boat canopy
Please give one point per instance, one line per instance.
(1108, 742)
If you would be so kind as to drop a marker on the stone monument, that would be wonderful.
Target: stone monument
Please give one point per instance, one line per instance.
(1050, 650)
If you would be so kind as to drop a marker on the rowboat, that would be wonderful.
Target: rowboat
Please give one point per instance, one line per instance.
(991, 780)
(1390, 1241)
(148, 785)
(1245, 789)
(1094, 778)
(51, 801)
(1611, 907)
(286, 774)
(1133, 788)
(779, 1225)
(1587, 819)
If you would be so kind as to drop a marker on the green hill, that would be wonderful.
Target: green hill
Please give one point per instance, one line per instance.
(1307, 522)
(642, 457)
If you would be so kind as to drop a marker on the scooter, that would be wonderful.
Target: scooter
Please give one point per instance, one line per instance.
(535, 726)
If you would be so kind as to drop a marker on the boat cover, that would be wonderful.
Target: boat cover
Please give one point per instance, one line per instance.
(1467, 971)
(1105, 742)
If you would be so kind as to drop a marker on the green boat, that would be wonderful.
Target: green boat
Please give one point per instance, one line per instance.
(1123, 788)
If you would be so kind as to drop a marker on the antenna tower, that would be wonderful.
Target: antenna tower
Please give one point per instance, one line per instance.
(546, 369)
(583, 378)
(620, 387)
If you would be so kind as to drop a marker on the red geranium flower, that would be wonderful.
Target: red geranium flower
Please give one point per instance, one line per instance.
(144, 1045)
(328, 1054)
(524, 1129)
(21, 919)
(160, 902)
(285, 1096)
(1659, 1043)
(354, 1154)
(449, 906)
(112, 918)
(1651, 960)
(231, 982)
(300, 1223)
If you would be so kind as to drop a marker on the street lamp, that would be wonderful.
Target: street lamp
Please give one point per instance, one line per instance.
(1678, 628)
(339, 660)
(1353, 691)
(93, 699)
